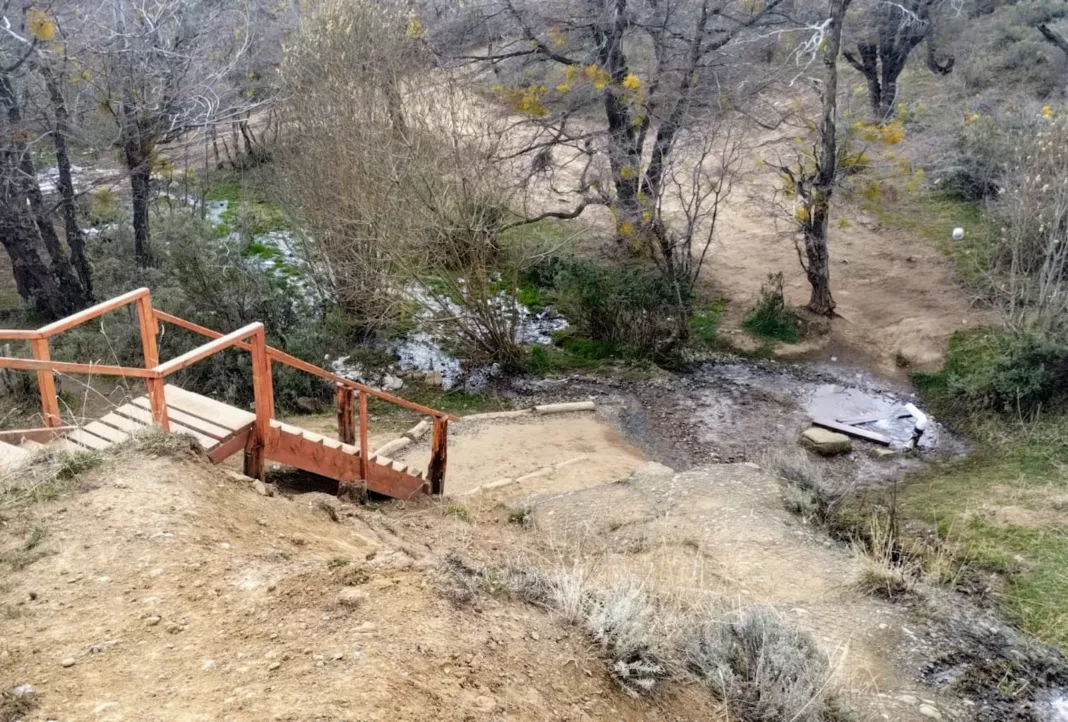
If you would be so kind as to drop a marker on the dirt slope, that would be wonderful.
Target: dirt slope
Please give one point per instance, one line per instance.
(176, 593)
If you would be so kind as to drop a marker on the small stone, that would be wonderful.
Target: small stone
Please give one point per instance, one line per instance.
(391, 383)
(273, 666)
(881, 452)
(26, 692)
(263, 489)
(67, 662)
(338, 656)
(909, 699)
(485, 703)
(825, 442)
(352, 597)
(153, 620)
(366, 627)
(237, 476)
(534, 635)
(432, 378)
(928, 711)
(157, 572)
(174, 627)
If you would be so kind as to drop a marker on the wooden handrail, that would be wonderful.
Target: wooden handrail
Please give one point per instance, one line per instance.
(221, 343)
(90, 313)
(18, 334)
(285, 358)
(64, 367)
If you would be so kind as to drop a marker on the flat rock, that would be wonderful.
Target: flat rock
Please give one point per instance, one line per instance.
(928, 711)
(825, 442)
(352, 597)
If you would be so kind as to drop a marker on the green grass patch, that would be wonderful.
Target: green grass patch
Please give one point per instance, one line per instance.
(705, 325)
(934, 216)
(457, 510)
(771, 320)
(1005, 510)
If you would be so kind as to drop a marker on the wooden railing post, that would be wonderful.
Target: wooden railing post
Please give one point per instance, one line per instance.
(158, 402)
(146, 319)
(364, 448)
(46, 384)
(346, 418)
(263, 393)
(439, 442)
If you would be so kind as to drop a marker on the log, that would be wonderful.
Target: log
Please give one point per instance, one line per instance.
(853, 431)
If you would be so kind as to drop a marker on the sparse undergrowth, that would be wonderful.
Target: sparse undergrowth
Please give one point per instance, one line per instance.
(806, 491)
(771, 320)
(761, 668)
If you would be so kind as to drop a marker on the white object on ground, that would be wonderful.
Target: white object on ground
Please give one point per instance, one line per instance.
(498, 415)
(958, 234)
(565, 407)
(392, 446)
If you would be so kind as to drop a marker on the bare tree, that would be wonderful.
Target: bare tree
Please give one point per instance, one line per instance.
(615, 101)
(889, 32)
(812, 179)
(163, 70)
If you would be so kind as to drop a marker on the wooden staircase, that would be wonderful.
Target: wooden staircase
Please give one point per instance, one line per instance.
(220, 429)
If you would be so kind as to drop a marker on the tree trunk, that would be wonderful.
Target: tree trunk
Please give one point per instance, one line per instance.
(35, 283)
(25, 212)
(140, 180)
(819, 268)
(75, 237)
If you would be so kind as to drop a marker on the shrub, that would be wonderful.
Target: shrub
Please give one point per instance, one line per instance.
(1016, 373)
(807, 493)
(771, 319)
(763, 669)
(626, 309)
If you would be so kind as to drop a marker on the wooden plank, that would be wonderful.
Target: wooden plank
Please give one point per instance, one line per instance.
(46, 384)
(19, 334)
(122, 423)
(872, 418)
(202, 407)
(853, 431)
(364, 448)
(291, 449)
(399, 485)
(205, 427)
(64, 367)
(43, 435)
(210, 348)
(88, 440)
(108, 433)
(138, 414)
(438, 455)
(146, 320)
(229, 447)
(263, 399)
(346, 419)
(11, 455)
(92, 312)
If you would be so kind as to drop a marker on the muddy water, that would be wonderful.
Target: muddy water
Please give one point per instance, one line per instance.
(743, 410)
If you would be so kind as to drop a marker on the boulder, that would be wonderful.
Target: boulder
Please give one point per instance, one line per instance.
(432, 378)
(825, 442)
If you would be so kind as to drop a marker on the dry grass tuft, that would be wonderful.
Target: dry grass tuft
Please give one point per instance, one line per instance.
(763, 669)
(806, 491)
(885, 572)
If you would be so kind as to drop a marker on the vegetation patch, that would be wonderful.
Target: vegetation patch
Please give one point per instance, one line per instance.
(771, 320)
(1008, 372)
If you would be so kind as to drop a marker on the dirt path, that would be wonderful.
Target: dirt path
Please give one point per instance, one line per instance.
(718, 530)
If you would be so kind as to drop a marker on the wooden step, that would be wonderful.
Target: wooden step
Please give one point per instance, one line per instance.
(87, 440)
(144, 417)
(229, 417)
(189, 421)
(108, 433)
